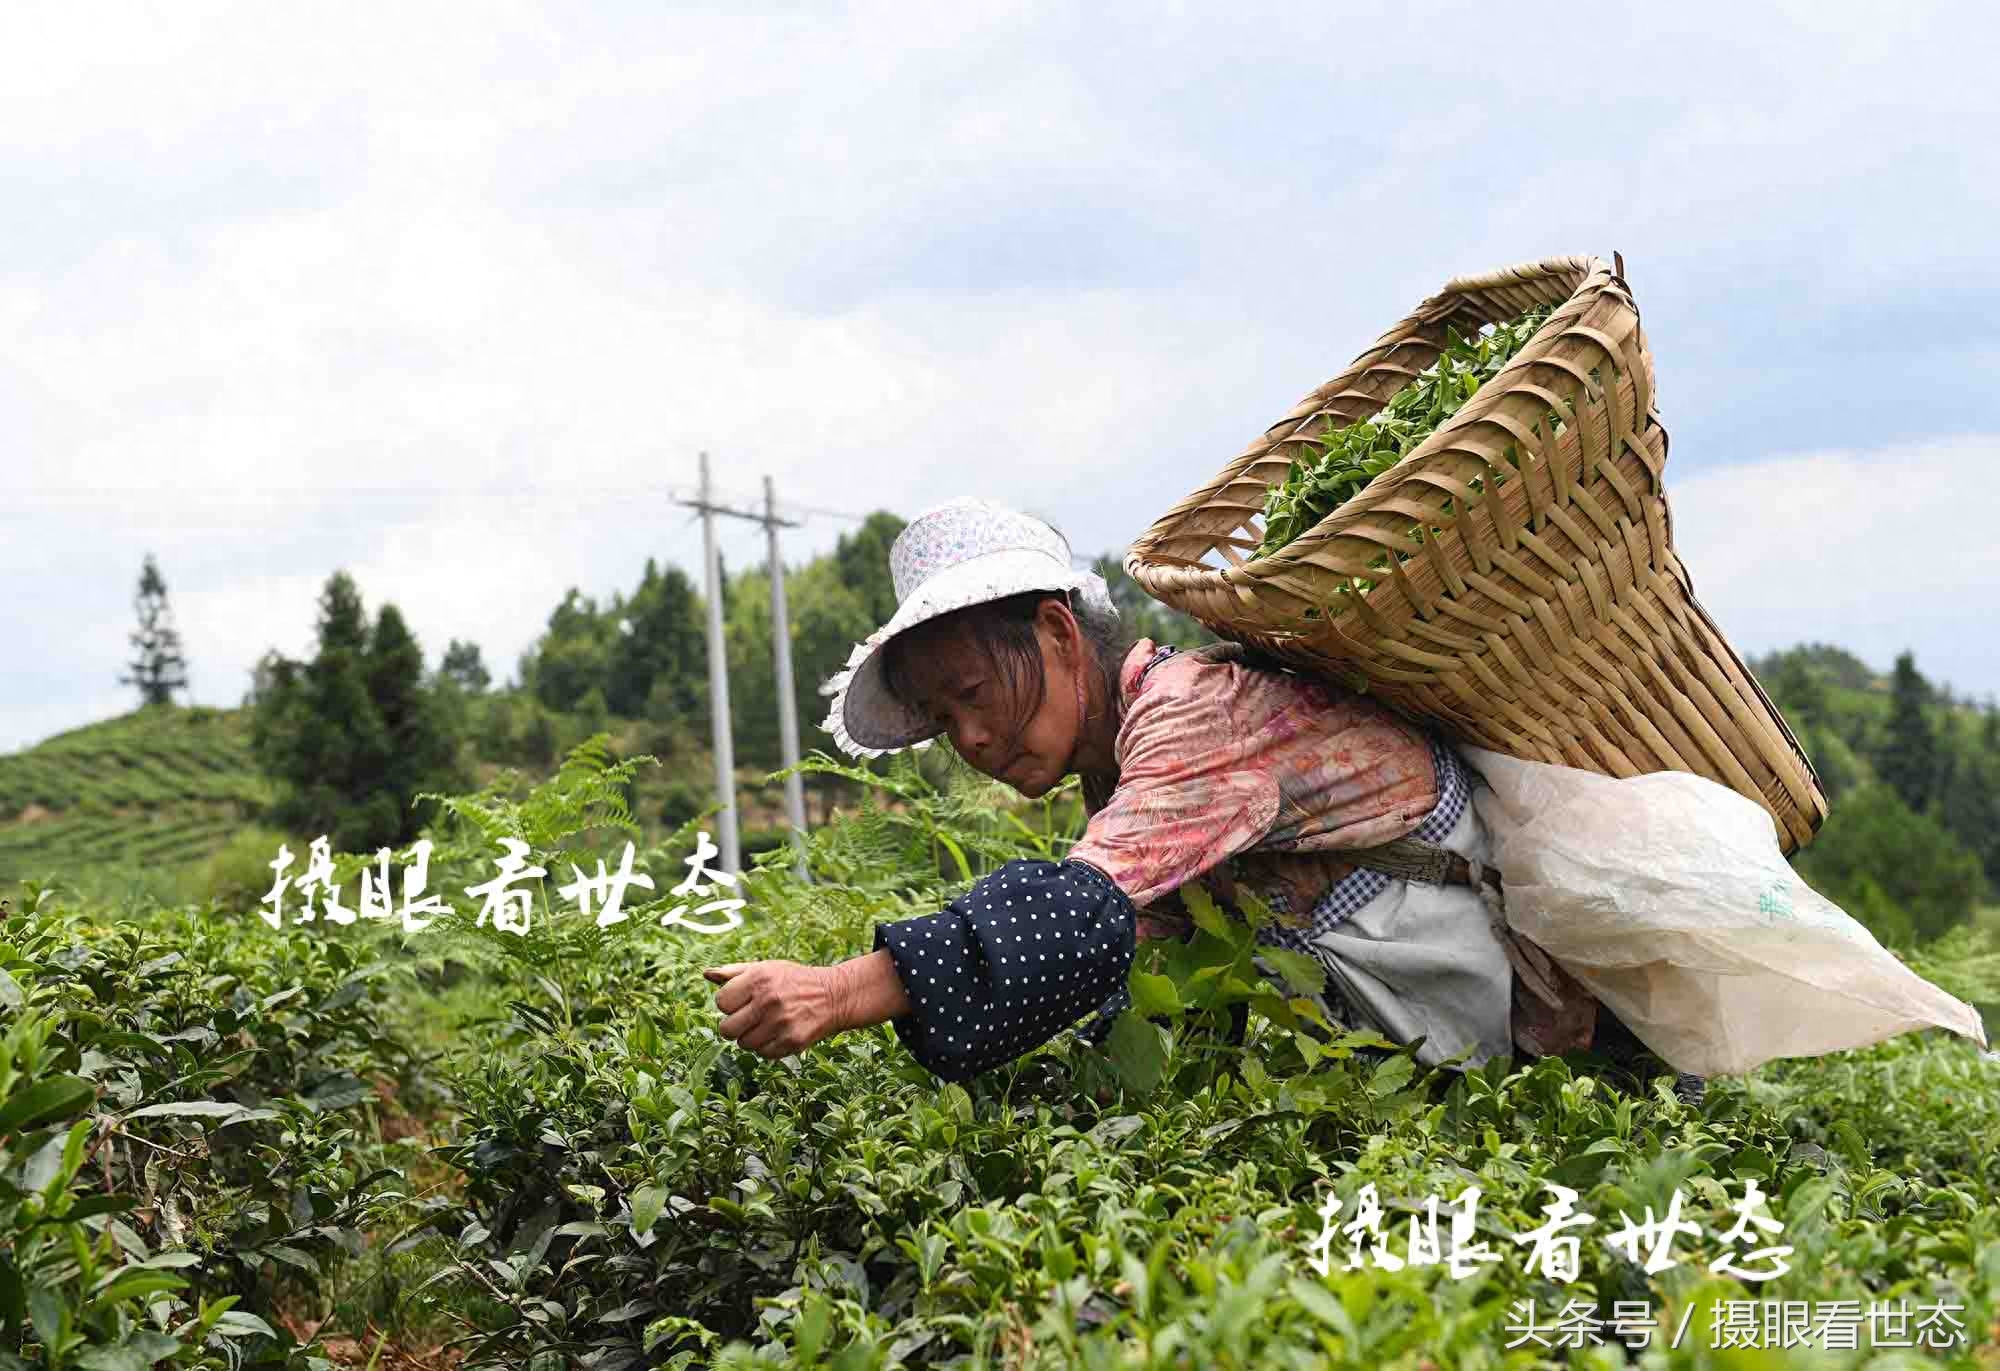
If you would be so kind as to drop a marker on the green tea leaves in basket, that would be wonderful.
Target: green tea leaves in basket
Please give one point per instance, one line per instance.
(1352, 455)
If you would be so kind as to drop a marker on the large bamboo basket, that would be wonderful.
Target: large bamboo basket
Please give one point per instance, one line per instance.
(1548, 616)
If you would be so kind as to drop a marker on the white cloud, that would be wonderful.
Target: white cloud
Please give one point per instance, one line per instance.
(444, 297)
(1877, 551)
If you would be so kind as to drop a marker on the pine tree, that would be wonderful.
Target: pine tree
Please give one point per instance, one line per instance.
(1950, 748)
(574, 655)
(318, 732)
(659, 662)
(264, 678)
(1925, 881)
(1969, 807)
(463, 664)
(753, 693)
(1797, 688)
(862, 560)
(159, 669)
(346, 747)
(1908, 760)
(422, 750)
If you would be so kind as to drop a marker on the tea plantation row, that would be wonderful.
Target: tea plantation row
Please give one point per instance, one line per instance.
(195, 1165)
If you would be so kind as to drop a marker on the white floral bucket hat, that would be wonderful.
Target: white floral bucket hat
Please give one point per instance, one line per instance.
(963, 552)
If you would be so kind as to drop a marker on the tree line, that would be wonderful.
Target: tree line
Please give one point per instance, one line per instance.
(352, 734)
(1912, 775)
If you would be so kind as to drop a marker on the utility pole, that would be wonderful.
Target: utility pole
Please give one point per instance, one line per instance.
(718, 683)
(718, 669)
(781, 662)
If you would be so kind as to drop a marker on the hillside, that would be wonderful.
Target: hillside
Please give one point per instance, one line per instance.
(149, 795)
(156, 787)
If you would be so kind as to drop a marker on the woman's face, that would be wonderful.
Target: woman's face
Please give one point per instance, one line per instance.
(969, 698)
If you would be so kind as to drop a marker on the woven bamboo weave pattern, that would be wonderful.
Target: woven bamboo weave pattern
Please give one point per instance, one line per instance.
(1543, 613)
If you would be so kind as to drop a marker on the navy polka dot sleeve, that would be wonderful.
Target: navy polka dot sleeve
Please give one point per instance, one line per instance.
(1006, 966)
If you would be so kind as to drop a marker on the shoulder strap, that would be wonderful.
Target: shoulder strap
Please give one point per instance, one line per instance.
(1160, 654)
(1410, 859)
(1221, 651)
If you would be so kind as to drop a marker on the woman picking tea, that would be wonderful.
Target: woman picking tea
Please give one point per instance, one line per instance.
(1194, 765)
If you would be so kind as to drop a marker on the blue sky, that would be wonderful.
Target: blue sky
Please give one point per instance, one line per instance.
(452, 301)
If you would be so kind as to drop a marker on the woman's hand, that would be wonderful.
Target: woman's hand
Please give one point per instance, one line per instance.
(776, 1008)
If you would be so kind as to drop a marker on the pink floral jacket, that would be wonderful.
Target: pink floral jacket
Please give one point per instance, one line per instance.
(1234, 772)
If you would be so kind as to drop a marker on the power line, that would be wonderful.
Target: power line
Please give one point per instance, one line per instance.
(829, 513)
(335, 492)
(583, 490)
(143, 500)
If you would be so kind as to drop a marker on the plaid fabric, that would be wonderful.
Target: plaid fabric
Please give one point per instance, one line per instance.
(1361, 885)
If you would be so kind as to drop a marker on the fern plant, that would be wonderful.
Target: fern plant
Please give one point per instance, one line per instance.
(562, 822)
(912, 832)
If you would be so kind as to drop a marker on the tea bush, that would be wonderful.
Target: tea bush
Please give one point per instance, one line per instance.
(641, 1193)
(191, 1143)
(179, 1135)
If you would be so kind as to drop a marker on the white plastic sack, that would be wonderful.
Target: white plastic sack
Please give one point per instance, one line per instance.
(1667, 895)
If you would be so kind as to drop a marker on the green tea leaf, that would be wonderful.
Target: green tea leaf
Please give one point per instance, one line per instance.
(1391, 1076)
(237, 1323)
(647, 1202)
(1138, 1054)
(133, 1284)
(1207, 916)
(1325, 1306)
(188, 1109)
(1302, 973)
(45, 1102)
(1154, 995)
(49, 1312)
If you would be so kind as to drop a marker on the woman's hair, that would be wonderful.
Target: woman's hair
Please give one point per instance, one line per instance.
(1004, 629)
